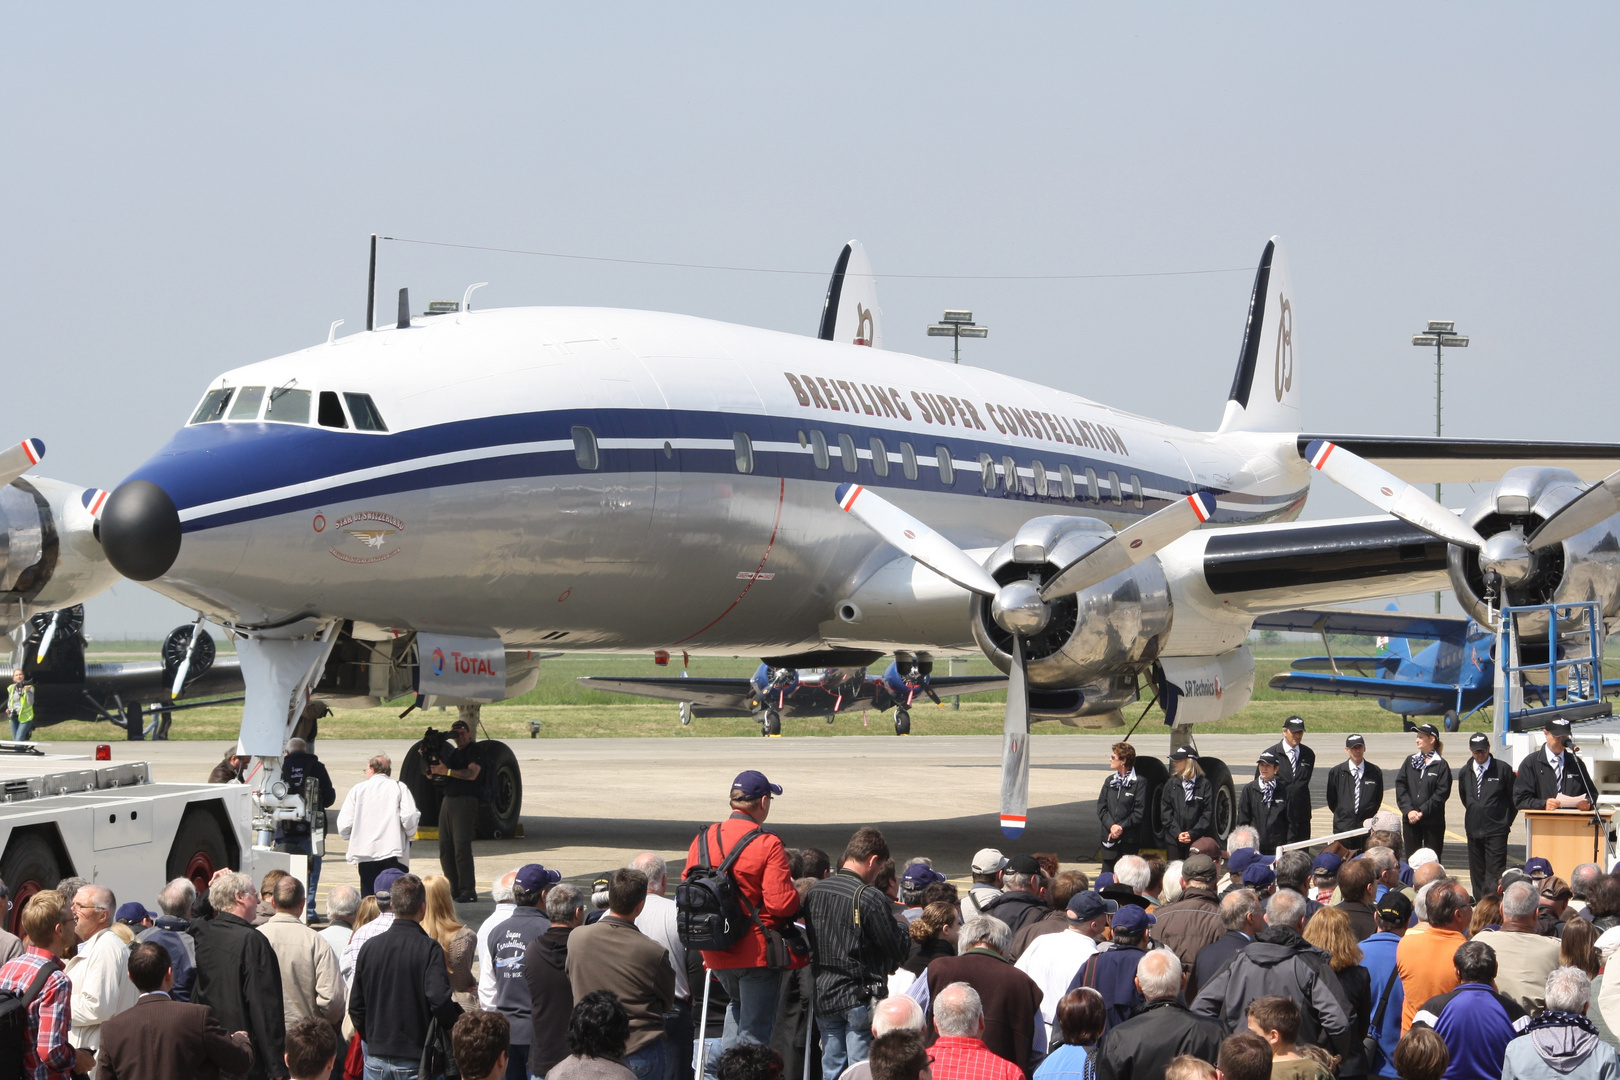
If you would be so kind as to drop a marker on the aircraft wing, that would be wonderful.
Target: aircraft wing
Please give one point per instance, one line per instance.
(146, 681)
(1428, 460)
(1366, 623)
(1367, 666)
(1356, 686)
(717, 693)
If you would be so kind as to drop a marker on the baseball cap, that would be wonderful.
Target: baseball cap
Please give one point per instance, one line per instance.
(1429, 730)
(1511, 876)
(1267, 758)
(1023, 864)
(1198, 865)
(988, 861)
(1354, 740)
(1386, 821)
(1558, 726)
(532, 877)
(1245, 857)
(1538, 867)
(1086, 906)
(385, 880)
(920, 876)
(1259, 874)
(1182, 753)
(133, 911)
(1479, 741)
(1294, 723)
(1206, 845)
(1104, 879)
(1423, 856)
(1132, 919)
(1395, 907)
(1326, 864)
(753, 785)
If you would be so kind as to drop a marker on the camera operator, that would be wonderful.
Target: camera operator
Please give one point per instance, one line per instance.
(458, 811)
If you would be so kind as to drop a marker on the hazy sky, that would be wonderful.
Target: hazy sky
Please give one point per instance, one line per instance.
(190, 188)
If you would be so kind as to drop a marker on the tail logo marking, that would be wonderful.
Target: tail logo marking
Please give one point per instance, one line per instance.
(863, 325)
(1283, 373)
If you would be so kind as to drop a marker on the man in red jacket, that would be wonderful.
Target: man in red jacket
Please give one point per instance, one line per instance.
(765, 882)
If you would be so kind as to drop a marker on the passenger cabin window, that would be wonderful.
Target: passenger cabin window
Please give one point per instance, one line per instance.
(818, 450)
(1009, 473)
(364, 411)
(212, 407)
(880, 457)
(908, 460)
(947, 467)
(247, 403)
(1040, 479)
(1136, 490)
(742, 448)
(288, 406)
(1091, 485)
(585, 454)
(987, 471)
(1068, 481)
(1114, 494)
(331, 411)
(846, 453)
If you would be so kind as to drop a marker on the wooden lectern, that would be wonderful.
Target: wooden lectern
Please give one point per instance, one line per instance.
(1565, 838)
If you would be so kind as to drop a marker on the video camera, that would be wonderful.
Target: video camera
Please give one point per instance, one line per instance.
(432, 749)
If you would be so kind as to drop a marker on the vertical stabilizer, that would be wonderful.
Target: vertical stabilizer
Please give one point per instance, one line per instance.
(850, 313)
(1265, 390)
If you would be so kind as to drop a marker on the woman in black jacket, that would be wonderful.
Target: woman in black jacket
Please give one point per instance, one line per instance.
(1421, 790)
(1121, 806)
(1186, 804)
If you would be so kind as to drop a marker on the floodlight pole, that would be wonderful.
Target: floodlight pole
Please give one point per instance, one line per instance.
(1442, 334)
(956, 325)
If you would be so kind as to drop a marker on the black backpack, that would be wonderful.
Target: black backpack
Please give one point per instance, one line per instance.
(14, 1023)
(708, 911)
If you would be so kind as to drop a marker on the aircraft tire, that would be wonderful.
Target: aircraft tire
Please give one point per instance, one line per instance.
(1224, 813)
(902, 722)
(1452, 721)
(502, 808)
(1153, 773)
(772, 724)
(29, 867)
(422, 788)
(198, 850)
(686, 714)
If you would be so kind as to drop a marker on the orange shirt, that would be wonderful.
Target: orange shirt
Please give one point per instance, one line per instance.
(1425, 962)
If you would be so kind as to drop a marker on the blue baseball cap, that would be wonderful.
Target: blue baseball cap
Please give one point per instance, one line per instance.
(385, 880)
(753, 785)
(1086, 906)
(1326, 864)
(1245, 857)
(1132, 919)
(920, 876)
(134, 911)
(532, 877)
(1538, 867)
(1259, 874)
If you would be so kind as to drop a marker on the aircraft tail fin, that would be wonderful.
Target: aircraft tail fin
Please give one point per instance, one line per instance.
(1399, 646)
(850, 313)
(1265, 390)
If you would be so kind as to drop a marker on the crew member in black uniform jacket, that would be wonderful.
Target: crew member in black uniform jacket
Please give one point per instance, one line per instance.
(1264, 805)
(1355, 791)
(1552, 771)
(1296, 763)
(1186, 804)
(1421, 789)
(1121, 806)
(1488, 812)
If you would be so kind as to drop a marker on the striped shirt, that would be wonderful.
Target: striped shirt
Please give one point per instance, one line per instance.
(48, 1055)
(855, 951)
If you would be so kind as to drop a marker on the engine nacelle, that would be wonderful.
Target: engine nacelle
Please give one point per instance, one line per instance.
(1584, 567)
(1086, 659)
(49, 555)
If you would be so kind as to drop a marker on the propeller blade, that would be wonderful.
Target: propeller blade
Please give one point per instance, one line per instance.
(19, 458)
(915, 539)
(1125, 549)
(1015, 748)
(185, 665)
(49, 636)
(1389, 493)
(1597, 503)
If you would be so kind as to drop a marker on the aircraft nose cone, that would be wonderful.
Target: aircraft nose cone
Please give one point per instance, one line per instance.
(140, 530)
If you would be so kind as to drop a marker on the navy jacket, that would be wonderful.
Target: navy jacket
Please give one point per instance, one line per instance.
(295, 769)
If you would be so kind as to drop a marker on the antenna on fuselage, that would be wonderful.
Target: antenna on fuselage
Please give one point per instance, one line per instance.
(371, 286)
(404, 309)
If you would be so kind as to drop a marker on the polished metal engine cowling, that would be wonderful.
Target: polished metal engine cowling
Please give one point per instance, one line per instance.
(1093, 642)
(1584, 567)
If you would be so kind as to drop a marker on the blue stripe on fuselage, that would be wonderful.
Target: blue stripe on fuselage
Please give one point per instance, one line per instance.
(211, 463)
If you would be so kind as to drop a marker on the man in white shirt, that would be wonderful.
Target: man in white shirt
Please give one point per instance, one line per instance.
(657, 921)
(501, 893)
(378, 819)
(1053, 960)
(100, 972)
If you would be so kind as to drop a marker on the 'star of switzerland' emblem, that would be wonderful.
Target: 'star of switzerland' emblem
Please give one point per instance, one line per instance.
(373, 531)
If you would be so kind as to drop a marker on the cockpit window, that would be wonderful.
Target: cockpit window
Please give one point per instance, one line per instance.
(212, 407)
(331, 413)
(247, 403)
(364, 411)
(288, 406)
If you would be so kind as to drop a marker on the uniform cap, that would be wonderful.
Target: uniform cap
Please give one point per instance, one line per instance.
(1182, 753)
(1354, 740)
(1429, 730)
(1294, 723)
(1479, 741)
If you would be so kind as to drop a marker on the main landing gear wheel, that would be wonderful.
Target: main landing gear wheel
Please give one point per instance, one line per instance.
(1153, 773)
(29, 867)
(502, 805)
(902, 722)
(1223, 814)
(1452, 720)
(772, 725)
(686, 714)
